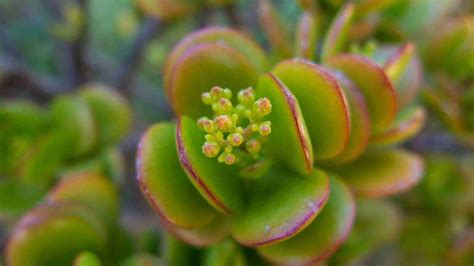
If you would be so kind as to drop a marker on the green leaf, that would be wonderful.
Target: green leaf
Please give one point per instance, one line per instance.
(376, 87)
(54, 234)
(323, 236)
(281, 204)
(144, 259)
(307, 36)
(274, 29)
(206, 235)
(224, 253)
(167, 10)
(203, 67)
(73, 116)
(382, 173)
(165, 184)
(215, 35)
(407, 124)
(323, 104)
(289, 144)
(16, 197)
(218, 183)
(101, 195)
(397, 63)
(111, 112)
(337, 33)
(360, 122)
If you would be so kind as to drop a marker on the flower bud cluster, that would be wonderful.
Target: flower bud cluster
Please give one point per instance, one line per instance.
(237, 131)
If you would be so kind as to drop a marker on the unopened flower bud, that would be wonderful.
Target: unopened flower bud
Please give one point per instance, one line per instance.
(206, 98)
(262, 107)
(227, 94)
(253, 146)
(224, 106)
(216, 93)
(265, 128)
(229, 158)
(210, 149)
(246, 97)
(235, 139)
(206, 124)
(223, 123)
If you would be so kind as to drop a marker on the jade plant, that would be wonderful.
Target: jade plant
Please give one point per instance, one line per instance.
(73, 133)
(273, 159)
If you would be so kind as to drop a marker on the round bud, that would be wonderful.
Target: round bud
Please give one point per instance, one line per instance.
(216, 93)
(246, 97)
(224, 123)
(206, 124)
(229, 158)
(227, 94)
(265, 128)
(253, 146)
(235, 139)
(206, 98)
(262, 107)
(224, 106)
(210, 149)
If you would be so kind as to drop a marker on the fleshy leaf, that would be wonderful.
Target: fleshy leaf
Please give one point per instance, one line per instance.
(274, 29)
(407, 124)
(217, 183)
(164, 182)
(100, 195)
(201, 68)
(396, 64)
(323, 104)
(307, 35)
(382, 173)
(111, 112)
(323, 236)
(224, 253)
(337, 33)
(215, 35)
(206, 235)
(64, 228)
(378, 91)
(86, 258)
(281, 204)
(73, 115)
(16, 197)
(360, 122)
(289, 144)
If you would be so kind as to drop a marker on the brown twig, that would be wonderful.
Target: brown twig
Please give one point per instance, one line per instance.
(150, 28)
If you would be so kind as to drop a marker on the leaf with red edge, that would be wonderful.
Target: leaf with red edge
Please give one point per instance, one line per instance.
(407, 124)
(218, 183)
(289, 143)
(280, 205)
(323, 236)
(215, 35)
(165, 184)
(307, 36)
(376, 87)
(382, 173)
(323, 104)
(360, 122)
(337, 33)
(169, 9)
(277, 34)
(203, 67)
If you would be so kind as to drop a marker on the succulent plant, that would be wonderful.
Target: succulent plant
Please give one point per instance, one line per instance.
(74, 133)
(293, 200)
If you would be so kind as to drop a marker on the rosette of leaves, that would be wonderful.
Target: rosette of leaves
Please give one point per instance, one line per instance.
(291, 198)
(167, 10)
(449, 57)
(76, 132)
